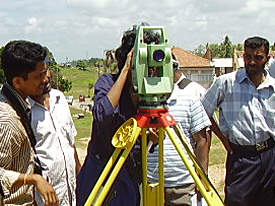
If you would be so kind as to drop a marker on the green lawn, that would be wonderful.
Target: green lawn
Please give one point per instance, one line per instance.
(83, 127)
(80, 81)
(217, 165)
(217, 152)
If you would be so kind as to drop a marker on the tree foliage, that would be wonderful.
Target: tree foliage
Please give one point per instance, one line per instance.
(64, 84)
(83, 63)
(224, 49)
(200, 50)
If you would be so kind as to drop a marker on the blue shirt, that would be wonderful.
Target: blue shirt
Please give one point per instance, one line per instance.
(247, 112)
(105, 123)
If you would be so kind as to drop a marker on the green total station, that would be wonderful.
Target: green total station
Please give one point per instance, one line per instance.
(152, 72)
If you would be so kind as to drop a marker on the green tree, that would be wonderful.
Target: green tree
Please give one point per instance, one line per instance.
(239, 47)
(222, 50)
(65, 84)
(226, 48)
(216, 50)
(58, 81)
(82, 64)
(200, 50)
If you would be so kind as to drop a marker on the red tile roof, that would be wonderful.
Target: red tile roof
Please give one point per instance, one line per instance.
(188, 59)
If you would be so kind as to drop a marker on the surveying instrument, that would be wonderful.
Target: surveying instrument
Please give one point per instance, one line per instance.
(153, 91)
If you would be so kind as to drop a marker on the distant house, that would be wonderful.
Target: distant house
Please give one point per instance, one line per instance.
(194, 67)
(225, 65)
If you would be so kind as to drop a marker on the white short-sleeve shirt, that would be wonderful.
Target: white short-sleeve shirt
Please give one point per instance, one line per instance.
(55, 132)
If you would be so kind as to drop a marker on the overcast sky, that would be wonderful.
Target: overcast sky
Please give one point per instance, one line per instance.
(80, 29)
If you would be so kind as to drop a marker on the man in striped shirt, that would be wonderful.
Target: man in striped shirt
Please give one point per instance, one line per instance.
(25, 72)
(193, 120)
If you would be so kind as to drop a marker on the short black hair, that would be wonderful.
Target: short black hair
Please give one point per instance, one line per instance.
(256, 42)
(128, 41)
(20, 57)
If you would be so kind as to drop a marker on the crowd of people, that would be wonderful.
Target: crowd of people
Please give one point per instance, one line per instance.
(39, 163)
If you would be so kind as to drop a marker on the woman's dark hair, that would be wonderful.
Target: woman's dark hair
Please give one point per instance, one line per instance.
(128, 41)
(20, 57)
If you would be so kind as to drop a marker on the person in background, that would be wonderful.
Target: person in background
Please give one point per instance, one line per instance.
(246, 102)
(54, 131)
(189, 113)
(25, 70)
(194, 89)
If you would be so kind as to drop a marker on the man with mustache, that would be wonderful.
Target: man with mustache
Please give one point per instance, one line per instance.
(246, 102)
(54, 132)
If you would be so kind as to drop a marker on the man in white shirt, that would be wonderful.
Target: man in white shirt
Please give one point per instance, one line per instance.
(55, 132)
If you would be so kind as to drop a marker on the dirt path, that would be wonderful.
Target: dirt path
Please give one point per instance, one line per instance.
(216, 175)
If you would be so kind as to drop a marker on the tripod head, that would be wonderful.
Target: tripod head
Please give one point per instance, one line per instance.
(152, 71)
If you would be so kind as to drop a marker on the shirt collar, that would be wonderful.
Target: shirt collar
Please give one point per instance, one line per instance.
(182, 76)
(31, 101)
(269, 81)
(54, 99)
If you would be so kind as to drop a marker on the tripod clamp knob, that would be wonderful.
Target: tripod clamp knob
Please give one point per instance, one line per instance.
(125, 134)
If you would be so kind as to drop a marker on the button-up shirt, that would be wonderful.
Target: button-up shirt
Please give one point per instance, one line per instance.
(54, 132)
(247, 112)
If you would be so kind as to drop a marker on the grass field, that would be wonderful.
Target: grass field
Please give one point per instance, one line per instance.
(81, 79)
(83, 127)
(217, 165)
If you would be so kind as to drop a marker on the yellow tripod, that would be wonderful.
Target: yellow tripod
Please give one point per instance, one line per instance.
(124, 140)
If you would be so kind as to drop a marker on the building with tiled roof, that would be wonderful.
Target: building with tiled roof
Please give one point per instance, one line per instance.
(189, 60)
(196, 68)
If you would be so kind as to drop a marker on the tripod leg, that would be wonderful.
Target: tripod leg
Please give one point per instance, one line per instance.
(127, 133)
(153, 194)
(161, 166)
(211, 197)
(144, 165)
(103, 176)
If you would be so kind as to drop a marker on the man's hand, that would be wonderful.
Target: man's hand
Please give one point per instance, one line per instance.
(44, 188)
(153, 135)
(215, 128)
(128, 64)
